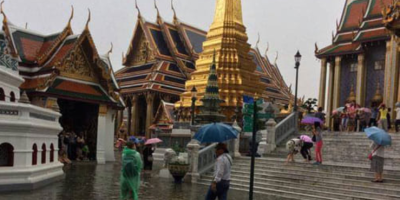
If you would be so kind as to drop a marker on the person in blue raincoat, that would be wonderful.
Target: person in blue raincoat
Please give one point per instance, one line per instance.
(130, 173)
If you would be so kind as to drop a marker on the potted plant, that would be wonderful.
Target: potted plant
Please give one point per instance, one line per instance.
(179, 165)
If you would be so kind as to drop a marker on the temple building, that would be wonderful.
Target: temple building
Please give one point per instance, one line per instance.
(165, 60)
(362, 60)
(65, 70)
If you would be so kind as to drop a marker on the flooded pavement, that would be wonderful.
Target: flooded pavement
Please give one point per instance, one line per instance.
(86, 180)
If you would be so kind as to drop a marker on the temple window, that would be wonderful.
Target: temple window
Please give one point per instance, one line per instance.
(51, 153)
(43, 153)
(379, 65)
(2, 95)
(34, 154)
(6, 155)
(12, 97)
(353, 67)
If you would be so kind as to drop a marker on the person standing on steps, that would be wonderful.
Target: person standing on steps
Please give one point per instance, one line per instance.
(222, 174)
(377, 161)
(317, 138)
(389, 119)
(397, 122)
(382, 118)
(148, 157)
(305, 149)
(374, 116)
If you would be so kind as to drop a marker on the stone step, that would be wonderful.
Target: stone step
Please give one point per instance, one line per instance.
(262, 193)
(332, 190)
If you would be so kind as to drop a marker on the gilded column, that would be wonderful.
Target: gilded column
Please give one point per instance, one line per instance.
(322, 84)
(149, 114)
(337, 81)
(391, 78)
(361, 77)
(134, 114)
(330, 94)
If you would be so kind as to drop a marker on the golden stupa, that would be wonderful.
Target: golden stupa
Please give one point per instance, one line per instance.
(235, 67)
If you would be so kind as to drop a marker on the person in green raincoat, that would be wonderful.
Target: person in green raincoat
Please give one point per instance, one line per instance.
(130, 173)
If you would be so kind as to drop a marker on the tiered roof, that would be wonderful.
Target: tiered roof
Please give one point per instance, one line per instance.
(62, 64)
(361, 22)
(174, 48)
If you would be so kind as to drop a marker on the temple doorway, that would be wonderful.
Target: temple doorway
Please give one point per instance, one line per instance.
(142, 116)
(80, 119)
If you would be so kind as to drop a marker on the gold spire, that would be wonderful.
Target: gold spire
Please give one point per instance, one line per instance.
(88, 20)
(352, 95)
(234, 64)
(378, 96)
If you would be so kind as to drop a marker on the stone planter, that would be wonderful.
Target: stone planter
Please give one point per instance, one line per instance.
(178, 171)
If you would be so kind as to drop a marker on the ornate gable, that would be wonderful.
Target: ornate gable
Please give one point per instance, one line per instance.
(77, 66)
(140, 51)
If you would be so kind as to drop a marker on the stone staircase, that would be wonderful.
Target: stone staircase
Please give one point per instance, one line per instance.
(343, 175)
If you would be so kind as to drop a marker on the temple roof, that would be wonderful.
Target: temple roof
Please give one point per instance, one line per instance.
(174, 48)
(62, 64)
(361, 22)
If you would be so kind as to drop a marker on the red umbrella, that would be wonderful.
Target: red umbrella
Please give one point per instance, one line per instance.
(153, 141)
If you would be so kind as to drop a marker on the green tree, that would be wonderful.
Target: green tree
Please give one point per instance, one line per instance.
(310, 104)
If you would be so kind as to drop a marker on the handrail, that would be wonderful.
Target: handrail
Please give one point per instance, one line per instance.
(285, 128)
(206, 158)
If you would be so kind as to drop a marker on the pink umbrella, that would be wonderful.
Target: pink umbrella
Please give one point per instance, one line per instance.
(306, 138)
(153, 141)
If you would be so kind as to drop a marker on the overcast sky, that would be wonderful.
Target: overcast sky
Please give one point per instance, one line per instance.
(287, 25)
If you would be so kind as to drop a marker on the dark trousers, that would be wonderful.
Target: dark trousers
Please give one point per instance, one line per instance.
(372, 122)
(397, 123)
(363, 125)
(305, 150)
(221, 193)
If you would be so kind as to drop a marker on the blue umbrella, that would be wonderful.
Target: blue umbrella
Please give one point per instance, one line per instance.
(215, 132)
(379, 136)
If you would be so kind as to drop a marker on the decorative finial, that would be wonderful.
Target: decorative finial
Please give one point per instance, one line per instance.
(2, 12)
(266, 50)
(24, 98)
(137, 8)
(384, 11)
(316, 48)
(333, 36)
(173, 10)
(156, 7)
(276, 58)
(111, 49)
(26, 25)
(71, 17)
(258, 41)
(123, 57)
(88, 20)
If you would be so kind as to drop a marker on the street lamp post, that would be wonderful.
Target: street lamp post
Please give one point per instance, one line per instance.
(194, 94)
(297, 58)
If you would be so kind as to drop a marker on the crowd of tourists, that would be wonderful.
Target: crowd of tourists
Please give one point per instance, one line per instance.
(353, 118)
(72, 147)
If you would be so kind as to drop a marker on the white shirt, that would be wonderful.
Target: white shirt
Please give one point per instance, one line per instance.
(222, 168)
(379, 151)
(398, 113)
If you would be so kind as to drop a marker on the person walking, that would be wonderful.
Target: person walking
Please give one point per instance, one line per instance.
(345, 120)
(377, 161)
(130, 173)
(382, 118)
(397, 122)
(363, 120)
(305, 149)
(374, 115)
(222, 174)
(317, 132)
(148, 157)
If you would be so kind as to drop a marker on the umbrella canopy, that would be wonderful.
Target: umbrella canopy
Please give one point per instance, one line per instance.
(379, 136)
(306, 138)
(153, 141)
(311, 120)
(340, 109)
(215, 132)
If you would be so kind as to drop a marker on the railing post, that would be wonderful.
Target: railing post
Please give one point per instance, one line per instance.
(236, 153)
(271, 136)
(193, 149)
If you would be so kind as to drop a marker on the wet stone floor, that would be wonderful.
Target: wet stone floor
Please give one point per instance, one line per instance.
(86, 180)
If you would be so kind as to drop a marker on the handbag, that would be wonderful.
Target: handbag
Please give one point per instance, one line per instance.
(314, 138)
(370, 155)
